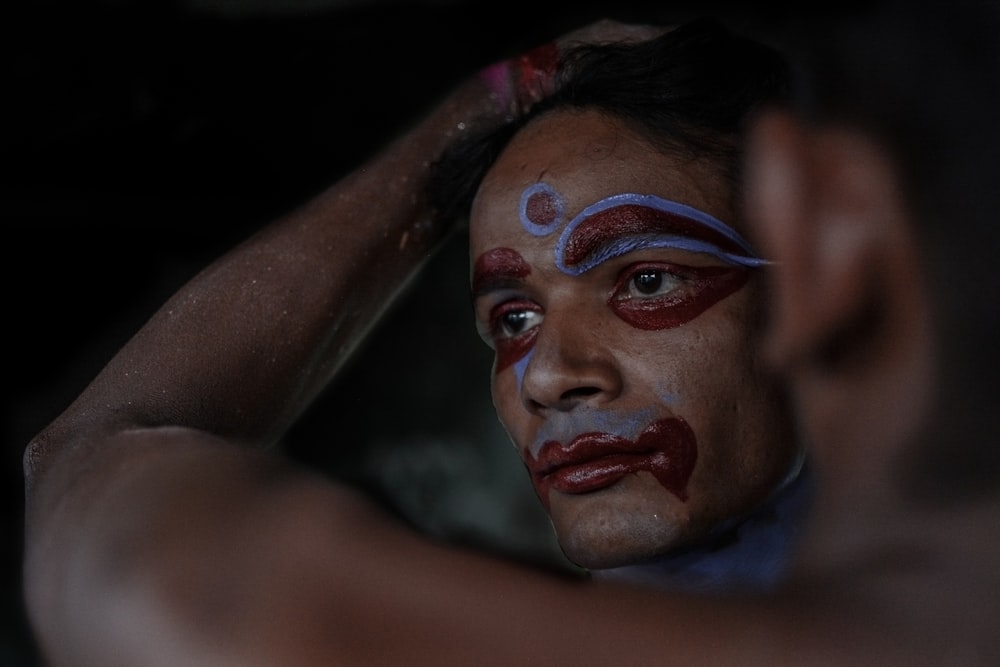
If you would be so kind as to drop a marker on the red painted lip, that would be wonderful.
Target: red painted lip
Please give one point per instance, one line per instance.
(592, 461)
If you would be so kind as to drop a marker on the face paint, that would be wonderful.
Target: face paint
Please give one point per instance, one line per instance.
(541, 209)
(498, 268)
(625, 223)
(637, 441)
(702, 288)
(502, 268)
(628, 222)
(612, 227)
(512, 350)
(520, 363)
(667, 448)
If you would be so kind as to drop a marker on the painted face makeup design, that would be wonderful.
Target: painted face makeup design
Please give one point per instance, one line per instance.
(627, 222)
(498, 269)
(648, 295)
(606, 447)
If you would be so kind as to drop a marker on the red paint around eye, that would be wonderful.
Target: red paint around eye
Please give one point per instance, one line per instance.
(510, 350)
(503, 268)
(705, 286)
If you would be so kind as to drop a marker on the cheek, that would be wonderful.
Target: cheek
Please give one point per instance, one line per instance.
(738, 411)
(509, 352)
(507, 404)
(705, 287)
(702, 369)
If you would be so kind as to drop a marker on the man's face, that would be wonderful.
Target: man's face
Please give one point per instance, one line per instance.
(624, 318)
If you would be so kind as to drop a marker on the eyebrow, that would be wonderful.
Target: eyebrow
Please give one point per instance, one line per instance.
(622, 223)
(496, 269)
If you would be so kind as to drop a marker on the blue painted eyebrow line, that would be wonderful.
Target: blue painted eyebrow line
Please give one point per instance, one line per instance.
(665, 205)
(628, 244)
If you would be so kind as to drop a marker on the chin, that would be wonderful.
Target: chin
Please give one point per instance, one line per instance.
(599, 535)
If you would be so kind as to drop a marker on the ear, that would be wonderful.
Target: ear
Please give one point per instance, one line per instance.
(825, 205)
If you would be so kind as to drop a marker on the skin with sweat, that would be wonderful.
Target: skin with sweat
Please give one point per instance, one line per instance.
(623, 304)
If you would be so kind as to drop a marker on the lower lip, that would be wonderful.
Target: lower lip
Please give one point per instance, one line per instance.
(600, 473)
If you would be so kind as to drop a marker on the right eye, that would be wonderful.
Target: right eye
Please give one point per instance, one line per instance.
(514, 318)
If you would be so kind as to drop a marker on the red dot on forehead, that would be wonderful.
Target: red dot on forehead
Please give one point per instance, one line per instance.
(542, 208)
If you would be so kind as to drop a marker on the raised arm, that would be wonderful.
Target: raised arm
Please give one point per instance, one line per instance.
(161, 530)
(245, 346)
(158, 526)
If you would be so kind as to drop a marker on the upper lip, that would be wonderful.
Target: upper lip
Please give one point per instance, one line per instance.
(667, 448)
(584, 448)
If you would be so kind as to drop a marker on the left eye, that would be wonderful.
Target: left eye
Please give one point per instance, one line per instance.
(647, 282)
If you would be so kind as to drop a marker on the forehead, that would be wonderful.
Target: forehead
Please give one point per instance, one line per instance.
(586, 156)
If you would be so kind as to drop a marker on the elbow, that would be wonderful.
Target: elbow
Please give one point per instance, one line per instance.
(32, 462)
(36, 460)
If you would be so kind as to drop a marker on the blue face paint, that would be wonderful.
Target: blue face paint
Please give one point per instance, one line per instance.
(541, 209)
(520, 366)
(627, 222)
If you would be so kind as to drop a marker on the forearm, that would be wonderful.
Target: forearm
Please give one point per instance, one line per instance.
(192, 551)
(209, 555)
(197, 552)
(231, 359)
(151, 487)
(244, 346)
(237, 353)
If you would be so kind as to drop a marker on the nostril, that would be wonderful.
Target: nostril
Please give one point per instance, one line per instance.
(566, 401)
(577, 393)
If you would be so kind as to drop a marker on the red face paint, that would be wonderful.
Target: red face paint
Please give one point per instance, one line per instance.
(504, 268)
(510, 350)
(542, 208)
(498, 268)
(702, 288)
(605, 227)
(536, 71)
(592, 461)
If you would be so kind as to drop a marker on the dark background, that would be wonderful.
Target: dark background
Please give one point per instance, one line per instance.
(142, 138)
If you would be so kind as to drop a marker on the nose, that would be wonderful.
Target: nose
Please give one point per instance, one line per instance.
(570, 366)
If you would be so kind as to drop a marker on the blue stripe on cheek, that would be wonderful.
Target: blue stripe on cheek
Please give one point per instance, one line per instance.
(668, 397)
(520, 366)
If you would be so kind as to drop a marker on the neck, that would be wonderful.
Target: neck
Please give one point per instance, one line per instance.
(748, 555)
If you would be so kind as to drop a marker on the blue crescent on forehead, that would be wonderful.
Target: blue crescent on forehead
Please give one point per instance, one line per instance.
(553, 207)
